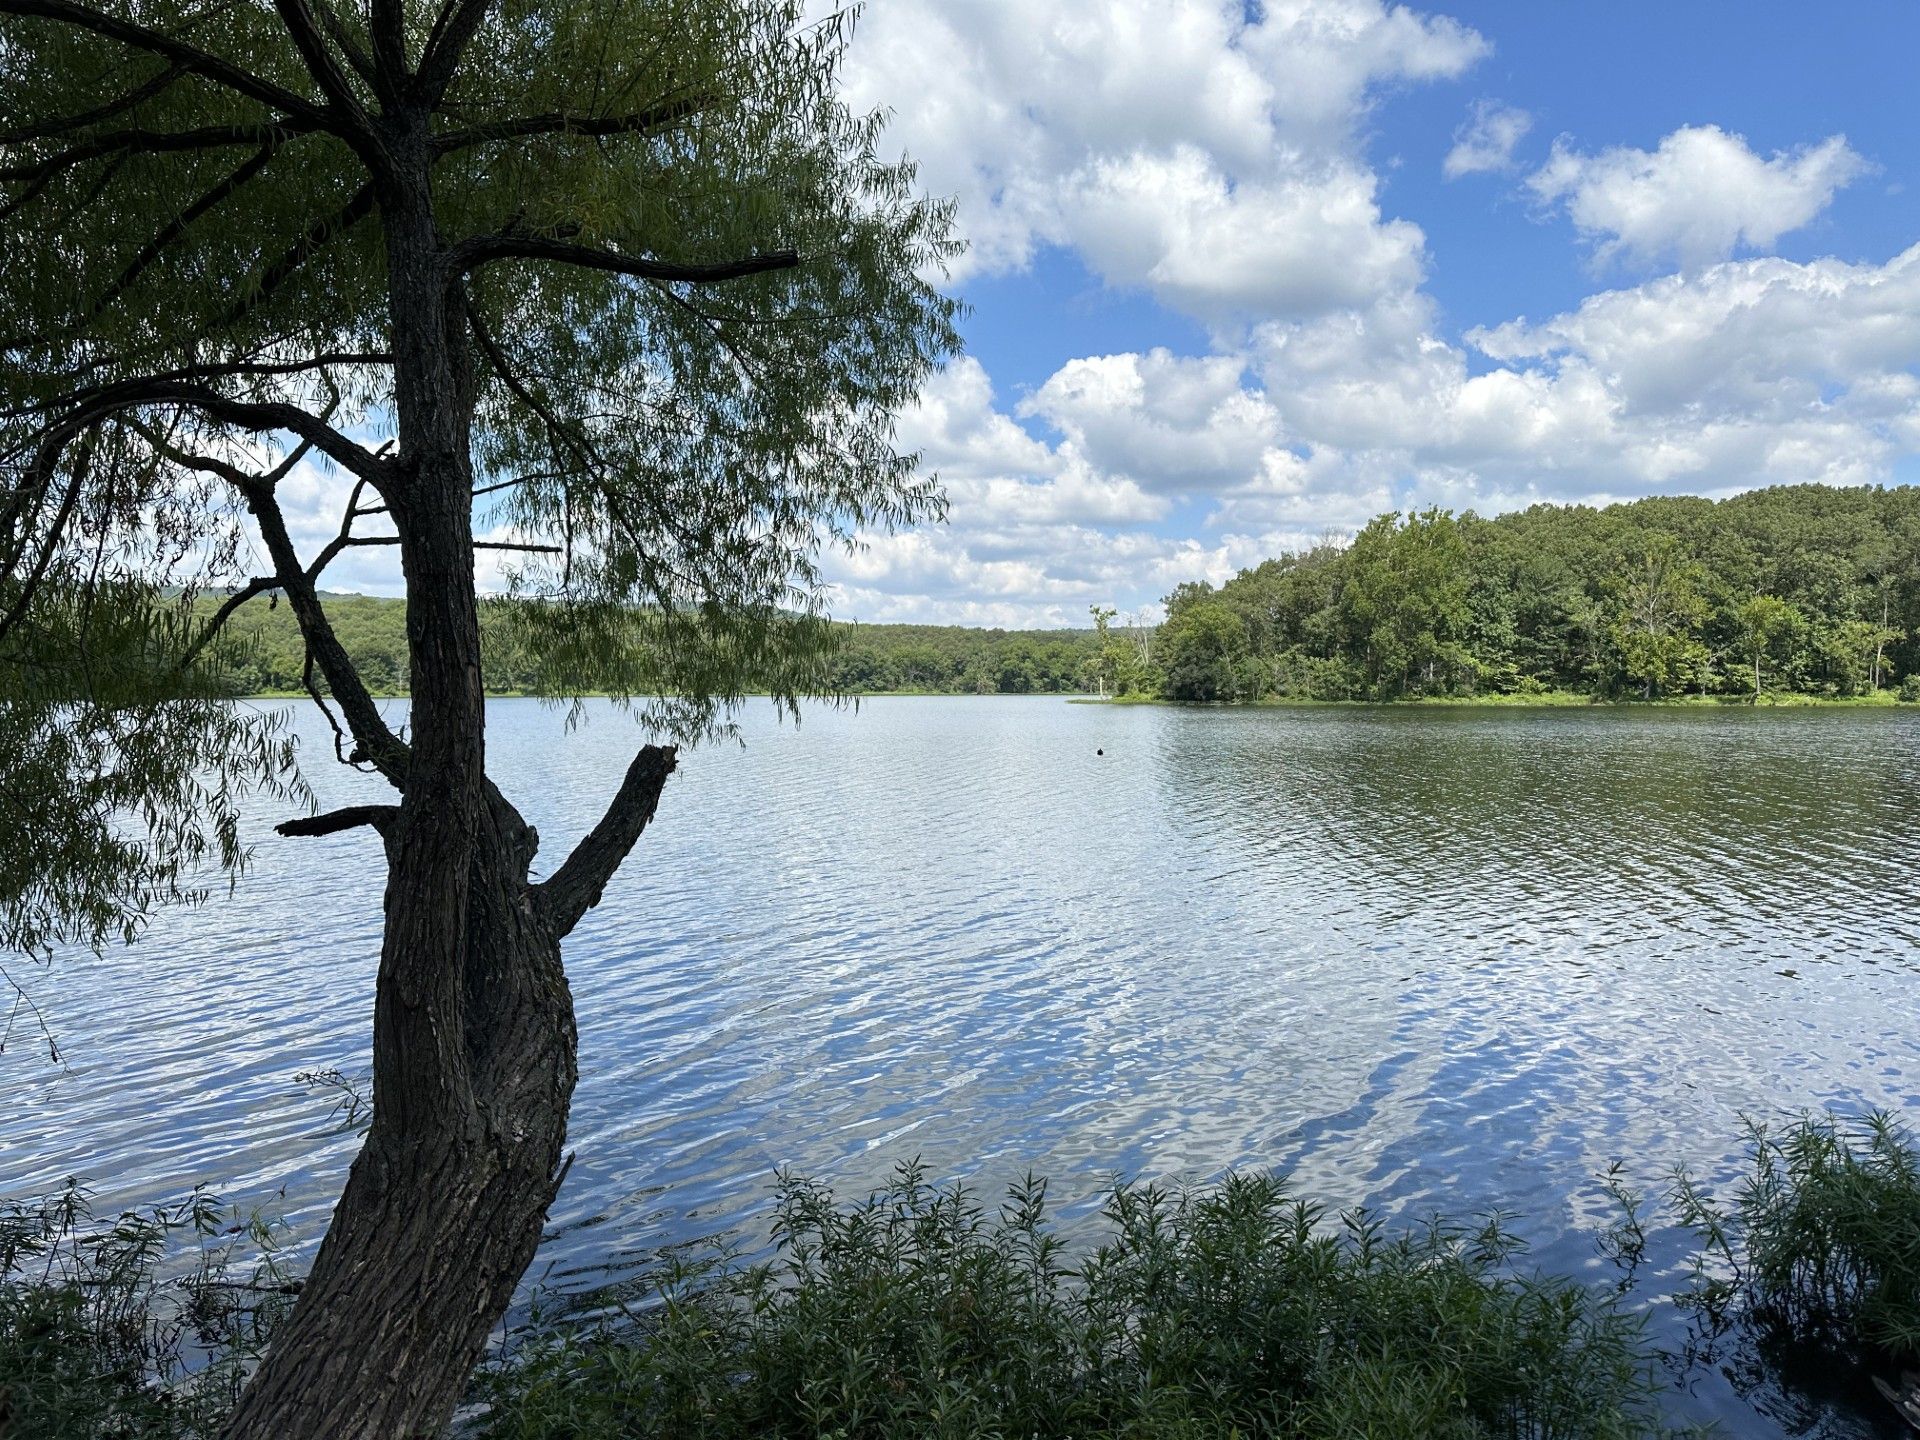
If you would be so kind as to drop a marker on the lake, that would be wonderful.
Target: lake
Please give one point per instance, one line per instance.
(1430, 959)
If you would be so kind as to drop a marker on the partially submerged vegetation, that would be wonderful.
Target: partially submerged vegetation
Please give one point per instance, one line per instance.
(111, 1332)
(1232, 1309)
(1821, 1241)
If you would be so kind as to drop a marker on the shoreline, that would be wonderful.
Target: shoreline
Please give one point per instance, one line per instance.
(1545, 700)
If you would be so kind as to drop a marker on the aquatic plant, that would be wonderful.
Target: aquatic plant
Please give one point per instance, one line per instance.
(1822, 1238)
(1233, 1309)
(145, 1326)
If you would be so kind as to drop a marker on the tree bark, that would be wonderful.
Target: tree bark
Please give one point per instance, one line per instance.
(448, 1198)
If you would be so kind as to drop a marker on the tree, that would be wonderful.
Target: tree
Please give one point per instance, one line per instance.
(1406, 598)
(1658, 609)
(1765, 621)
(1201, 647)
(632, 297)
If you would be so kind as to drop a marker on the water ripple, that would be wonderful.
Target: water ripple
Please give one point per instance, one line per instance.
(1429, 960)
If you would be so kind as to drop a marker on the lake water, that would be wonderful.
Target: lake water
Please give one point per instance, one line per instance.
(1430, 959)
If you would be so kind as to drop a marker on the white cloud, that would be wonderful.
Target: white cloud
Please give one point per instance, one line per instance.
(1697, 198)
(1175, 424)
(1744, 373)
(1176, 144)
(1486, 139)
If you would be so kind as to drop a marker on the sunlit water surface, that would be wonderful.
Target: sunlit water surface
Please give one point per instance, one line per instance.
(1426, 959)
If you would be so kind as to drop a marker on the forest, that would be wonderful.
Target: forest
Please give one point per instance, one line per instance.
(869, 660)
(1804, 590)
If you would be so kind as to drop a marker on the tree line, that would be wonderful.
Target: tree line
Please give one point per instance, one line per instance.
(867, 660)
(1804, 589)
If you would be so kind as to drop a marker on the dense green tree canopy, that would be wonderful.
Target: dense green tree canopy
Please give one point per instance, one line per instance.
(1801, 588)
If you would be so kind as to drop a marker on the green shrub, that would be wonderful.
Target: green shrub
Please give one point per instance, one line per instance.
(1230, 1310)
(96, 1345)
(1822, 1241)
(1909, 691)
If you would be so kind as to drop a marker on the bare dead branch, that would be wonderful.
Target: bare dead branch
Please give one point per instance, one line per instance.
(577, 885)
(380, 817)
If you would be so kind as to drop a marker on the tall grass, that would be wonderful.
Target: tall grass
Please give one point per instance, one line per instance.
(1236, 1309)
(143, 1328)
(1229, 1310)
(1821, 1242)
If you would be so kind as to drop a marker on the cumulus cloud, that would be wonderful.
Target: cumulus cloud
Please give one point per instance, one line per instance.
(1486, 139)
(1213, 156)
(1176, 424)
(1178, 145)
(1701, 195)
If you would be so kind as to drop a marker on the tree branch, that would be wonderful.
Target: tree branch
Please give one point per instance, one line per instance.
(187, 57)
(380, 745)
(263, 415)
(118, 106)
(380, 817)
(470, 255)
(147, 142)
(640, 122)
(446, 45)
(577, 885)
(359, 205)
(177, 226)
(349, 47)
(388, 25)
(304, 29)
(259, 585)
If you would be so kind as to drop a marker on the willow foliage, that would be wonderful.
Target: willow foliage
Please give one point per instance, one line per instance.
(692, 294)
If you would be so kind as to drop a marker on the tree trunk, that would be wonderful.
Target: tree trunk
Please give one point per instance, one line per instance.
(473, 1030)
(448, 1198)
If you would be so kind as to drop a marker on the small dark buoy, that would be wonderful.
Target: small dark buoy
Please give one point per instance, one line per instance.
(1099, 752)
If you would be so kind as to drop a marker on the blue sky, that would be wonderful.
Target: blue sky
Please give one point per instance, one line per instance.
(1243, 277)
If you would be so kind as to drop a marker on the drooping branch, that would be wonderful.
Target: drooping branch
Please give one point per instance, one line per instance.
(577, 885)
(187, 57)
(45, 462)
(470, 255)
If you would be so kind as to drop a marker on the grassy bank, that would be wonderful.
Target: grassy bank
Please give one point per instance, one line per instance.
(1539, 700)
(1238, 1309)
